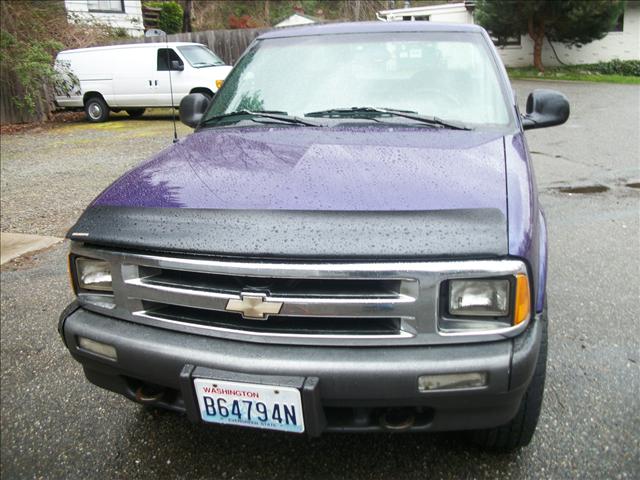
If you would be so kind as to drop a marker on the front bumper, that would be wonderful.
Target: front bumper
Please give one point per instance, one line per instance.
(347, 387)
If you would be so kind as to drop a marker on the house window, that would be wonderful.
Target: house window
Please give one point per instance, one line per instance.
(106, 6)
(507, 41)
(413, 18)
(619, 25)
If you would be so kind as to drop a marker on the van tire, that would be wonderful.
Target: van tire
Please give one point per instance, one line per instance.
(96, 109)
(519, 431)
(135, 112)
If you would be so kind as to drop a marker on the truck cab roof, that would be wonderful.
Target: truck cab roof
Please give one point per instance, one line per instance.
(369, 27)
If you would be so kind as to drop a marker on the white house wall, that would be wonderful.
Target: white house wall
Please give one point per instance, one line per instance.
(446, 13)
(130, 20)
(453, 17)
(294, 20)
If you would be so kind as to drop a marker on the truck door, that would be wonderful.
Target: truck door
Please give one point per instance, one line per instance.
(162, 85)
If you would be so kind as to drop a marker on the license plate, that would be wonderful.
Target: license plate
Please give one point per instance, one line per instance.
(250, 405)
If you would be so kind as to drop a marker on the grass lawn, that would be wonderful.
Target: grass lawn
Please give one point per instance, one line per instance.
(573, 72)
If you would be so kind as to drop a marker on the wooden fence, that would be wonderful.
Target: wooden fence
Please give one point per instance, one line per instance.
(227, 44)
(11, 89)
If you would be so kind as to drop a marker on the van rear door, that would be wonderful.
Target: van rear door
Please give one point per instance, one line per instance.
(134, 76)
(93, 69)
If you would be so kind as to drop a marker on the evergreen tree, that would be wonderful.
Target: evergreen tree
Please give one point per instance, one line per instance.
(572, 22)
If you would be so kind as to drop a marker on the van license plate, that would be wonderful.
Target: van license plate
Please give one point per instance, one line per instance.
(250, 405)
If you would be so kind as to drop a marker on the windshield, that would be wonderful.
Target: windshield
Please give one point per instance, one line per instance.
(199, 56)
(447, 75)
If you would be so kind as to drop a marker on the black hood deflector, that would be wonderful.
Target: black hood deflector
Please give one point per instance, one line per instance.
(294, 233)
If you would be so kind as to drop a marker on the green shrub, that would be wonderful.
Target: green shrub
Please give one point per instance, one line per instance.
(119, 32)
(170, 16)
(629, 68)
(31, 62)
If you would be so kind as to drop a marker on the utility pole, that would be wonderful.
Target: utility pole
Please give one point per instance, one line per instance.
(186, 17)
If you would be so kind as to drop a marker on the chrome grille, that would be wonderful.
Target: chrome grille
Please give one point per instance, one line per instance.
(310, 307)
(334, 303)
(308, 325)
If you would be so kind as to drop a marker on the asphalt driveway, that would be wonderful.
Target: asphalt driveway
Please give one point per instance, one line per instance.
(56, 425)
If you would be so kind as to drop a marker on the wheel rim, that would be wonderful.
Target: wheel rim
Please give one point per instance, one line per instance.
(95, 111)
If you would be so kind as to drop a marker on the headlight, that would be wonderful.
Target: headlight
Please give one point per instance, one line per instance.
(478, 305)
(92, 274)
(479, 298)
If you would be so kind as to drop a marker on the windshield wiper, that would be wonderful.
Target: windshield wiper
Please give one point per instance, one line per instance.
(255, 115)
(364, 112)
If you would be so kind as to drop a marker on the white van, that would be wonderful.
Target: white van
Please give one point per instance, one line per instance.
(135, 77)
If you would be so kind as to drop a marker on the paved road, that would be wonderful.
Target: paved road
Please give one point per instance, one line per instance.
(56, 425)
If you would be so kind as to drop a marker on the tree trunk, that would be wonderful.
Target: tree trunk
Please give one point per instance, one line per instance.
(537, 52)
(536, 32)
(356, 10)
(267, 13)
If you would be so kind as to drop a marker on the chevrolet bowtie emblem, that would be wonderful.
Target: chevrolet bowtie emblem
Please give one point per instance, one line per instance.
(253, 306)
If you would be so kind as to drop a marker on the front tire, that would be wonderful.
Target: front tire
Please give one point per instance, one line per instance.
(135, 112)
(96, 110)
(519, 431)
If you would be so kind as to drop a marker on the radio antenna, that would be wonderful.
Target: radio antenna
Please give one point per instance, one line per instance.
(155, 32)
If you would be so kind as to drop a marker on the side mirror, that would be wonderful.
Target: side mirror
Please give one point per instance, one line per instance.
(545, 108)
(192, 107)
(177, 65)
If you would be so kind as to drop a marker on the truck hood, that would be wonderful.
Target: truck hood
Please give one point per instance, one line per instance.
(311, 192)
(300, 168)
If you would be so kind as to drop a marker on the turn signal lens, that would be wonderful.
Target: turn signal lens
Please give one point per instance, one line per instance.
(99, 348)
(523, 300)
(449, 381)
(219, 83)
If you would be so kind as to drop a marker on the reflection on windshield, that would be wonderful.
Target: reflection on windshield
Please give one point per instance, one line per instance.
(448, 75)
(251, 101)
(199, 56)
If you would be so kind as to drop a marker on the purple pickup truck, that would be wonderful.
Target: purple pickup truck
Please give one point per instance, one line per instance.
(350, 241)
